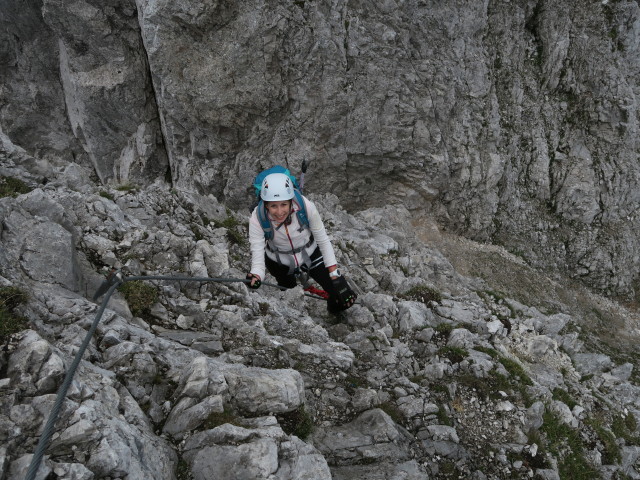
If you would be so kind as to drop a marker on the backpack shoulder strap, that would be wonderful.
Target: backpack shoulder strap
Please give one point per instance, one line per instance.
(267, 228)
(303, 218)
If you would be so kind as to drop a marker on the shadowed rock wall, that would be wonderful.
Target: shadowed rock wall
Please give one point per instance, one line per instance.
(512, 122)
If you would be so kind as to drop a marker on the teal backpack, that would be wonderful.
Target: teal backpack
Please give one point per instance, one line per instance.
(262, 211)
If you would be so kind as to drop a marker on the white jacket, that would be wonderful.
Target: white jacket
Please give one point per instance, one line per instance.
(280, 240)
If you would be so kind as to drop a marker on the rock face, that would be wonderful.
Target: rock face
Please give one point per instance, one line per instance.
(432, 374)
(514, 123)
(78, 89)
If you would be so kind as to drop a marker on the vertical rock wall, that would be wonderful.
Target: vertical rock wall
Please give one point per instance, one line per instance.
(512, 122)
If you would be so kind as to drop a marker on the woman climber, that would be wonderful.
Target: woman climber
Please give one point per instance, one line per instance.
(288, 238)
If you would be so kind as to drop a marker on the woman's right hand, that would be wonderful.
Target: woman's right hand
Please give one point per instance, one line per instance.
(255, 281)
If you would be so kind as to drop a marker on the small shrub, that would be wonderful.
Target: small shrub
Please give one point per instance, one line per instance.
(230, 222)
(444, 329)
(105, 194)
(235, 237)
(515, 369)
(438, 387)
(139, 296)
(216, 419)
(489, 351)
(485, 387)
(455, 354)
(625, 427)
(126, 187)
(443, 418)
(12, 187)
(298, 423)
(352, 383)
(197, 234)
(500, 382)
(449, 469)
(611, 453)
(10, 322)
(423, 293)
(183, 472)
(233, 233)
(392, 410)
(630, 422)
(540, 459)
(565, 444)
(564, 396)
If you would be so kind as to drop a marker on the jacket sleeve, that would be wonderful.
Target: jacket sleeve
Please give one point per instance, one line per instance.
(320, 234)
(256, 241)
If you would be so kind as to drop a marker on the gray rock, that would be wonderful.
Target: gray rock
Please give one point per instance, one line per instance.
(301, 461)
(534, 416)
(364, 399)
(443, 440)
(382, 306)
(19, 468)
(4, 461)
(409, 470)
(547, 474)
(630, 456)
(456, 311)
(412, 316)
(258, 451)
(47, 249)
(462, 338)
(540, 346)
(72, 471)
(623, 372)
(563, 412)
(261, 391)
(35, 368)
(372, 436)
(248, 461)
(188, 414)
(591, 363)
(162, 96)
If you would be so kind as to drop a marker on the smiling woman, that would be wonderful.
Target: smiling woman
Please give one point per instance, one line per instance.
(288, 237)
(279, 211)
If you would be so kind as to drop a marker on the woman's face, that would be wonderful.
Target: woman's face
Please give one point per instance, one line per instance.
(279, 210)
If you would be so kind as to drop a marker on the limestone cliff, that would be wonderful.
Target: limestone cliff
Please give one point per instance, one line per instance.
(513, 122)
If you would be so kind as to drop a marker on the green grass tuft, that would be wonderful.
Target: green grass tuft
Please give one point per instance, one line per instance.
(455, 354)
(10, 321)
(216, 419)
(12, 187)
(564, 397)
(423, 293)
(297, 422)
(564, 443)
(139, 296)
(516, 370)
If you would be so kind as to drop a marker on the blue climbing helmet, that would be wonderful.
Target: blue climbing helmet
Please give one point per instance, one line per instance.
(277, 183)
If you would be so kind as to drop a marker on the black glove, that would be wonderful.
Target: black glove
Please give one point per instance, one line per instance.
(256, 284)
(345, 297)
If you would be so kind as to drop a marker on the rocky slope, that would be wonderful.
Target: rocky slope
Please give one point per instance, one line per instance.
(513, 122)
(459, 360)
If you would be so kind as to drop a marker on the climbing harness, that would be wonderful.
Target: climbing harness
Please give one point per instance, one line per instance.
(114, 279)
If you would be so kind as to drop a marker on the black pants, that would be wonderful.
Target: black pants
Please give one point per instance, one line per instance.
(318, 272)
